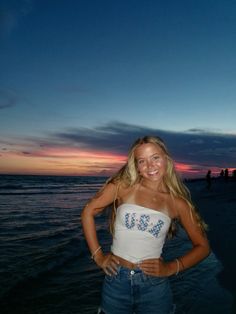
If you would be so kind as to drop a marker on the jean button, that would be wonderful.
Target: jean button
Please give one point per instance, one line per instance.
(132, 272)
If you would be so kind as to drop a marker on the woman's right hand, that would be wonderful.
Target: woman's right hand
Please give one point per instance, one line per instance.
(108, 263)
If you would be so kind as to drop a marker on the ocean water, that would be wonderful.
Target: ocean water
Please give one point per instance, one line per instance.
(44, 264)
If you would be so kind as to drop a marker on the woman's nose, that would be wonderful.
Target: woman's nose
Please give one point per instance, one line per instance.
(149, 163)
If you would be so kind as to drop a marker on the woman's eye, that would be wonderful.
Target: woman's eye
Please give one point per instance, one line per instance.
(140, 161)
(156, 157)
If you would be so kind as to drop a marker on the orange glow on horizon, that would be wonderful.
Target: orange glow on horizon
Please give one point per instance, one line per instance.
(53, 161)
(74, 161)
(66, 152)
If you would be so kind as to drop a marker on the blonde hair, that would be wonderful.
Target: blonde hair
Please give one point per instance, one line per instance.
(128, 176)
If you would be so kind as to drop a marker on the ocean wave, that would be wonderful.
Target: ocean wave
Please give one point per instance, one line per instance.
(11, 186)
(39, 193)
(42, 265)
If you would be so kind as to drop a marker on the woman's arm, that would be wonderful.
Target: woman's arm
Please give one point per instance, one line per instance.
(157, 267)
(95, 206)
(201, 248)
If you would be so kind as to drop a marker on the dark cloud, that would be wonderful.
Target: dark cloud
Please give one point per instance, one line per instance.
(11, 98)
(201, 147)
(8, 98)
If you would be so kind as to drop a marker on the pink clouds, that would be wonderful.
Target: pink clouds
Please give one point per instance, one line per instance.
(60, 161)
(70, 152)
(103, 150)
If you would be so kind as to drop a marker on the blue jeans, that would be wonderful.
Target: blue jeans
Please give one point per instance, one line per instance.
(131, 291)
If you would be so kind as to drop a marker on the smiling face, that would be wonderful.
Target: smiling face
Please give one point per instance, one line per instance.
(151, 161)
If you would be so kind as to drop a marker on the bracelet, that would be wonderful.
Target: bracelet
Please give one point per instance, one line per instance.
(95, 252)
(177, 271)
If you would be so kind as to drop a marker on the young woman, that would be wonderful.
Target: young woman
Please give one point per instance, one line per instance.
(147, 196)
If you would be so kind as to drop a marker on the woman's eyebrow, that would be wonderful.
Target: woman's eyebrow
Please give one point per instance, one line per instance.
(138, 158)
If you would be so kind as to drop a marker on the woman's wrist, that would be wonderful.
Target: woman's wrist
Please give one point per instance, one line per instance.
(173, 267)
(176, 266)
(95, 252)
(98, 258)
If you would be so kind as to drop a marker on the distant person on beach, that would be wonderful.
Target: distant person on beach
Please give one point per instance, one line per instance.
(222, 174)
(226, 175)
(234, 174)
(208, 179)
(147, 197)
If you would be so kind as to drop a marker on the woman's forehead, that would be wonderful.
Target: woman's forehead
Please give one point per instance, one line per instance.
(148, 148)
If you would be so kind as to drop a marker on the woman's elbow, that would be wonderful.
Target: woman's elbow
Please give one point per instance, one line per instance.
(87, 213)
(206, 249)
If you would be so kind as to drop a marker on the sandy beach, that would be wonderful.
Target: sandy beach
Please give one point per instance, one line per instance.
(218, 208)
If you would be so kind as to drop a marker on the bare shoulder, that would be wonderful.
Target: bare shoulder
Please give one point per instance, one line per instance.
(181, 206)
(110, 187)
(123, 190)
(106, 194)
(186, 214)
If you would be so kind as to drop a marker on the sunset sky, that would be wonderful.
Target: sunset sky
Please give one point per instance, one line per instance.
(80, 80)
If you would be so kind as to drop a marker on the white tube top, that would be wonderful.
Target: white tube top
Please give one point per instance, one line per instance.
(139, 232)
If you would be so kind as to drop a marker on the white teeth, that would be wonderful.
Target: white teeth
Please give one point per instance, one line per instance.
(152, 172)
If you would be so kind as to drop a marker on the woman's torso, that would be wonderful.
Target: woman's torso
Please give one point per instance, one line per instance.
(142, 222)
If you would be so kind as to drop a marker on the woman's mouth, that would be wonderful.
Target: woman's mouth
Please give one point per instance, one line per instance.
(152, 173)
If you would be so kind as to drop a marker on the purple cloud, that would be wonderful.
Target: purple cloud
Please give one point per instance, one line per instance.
(199, 147)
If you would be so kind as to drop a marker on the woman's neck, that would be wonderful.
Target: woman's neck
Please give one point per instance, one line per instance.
(155, 186)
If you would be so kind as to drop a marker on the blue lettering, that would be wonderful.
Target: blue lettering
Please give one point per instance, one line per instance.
(143, 222)
(130, 221)
(156, 229)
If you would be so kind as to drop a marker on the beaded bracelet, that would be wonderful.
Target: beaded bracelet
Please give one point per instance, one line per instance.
(177, 271)
(95, 252)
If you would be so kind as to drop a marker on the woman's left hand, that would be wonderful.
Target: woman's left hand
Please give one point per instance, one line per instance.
(155, 267)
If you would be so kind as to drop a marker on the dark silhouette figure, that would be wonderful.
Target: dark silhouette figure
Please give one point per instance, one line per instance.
(234, 174)
(226, 175)
(222, 174)
(208, 179)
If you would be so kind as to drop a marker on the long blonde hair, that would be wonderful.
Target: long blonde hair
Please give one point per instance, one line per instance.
(128, 176)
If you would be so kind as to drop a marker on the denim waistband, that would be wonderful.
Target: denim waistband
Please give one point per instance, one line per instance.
(135, 274)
